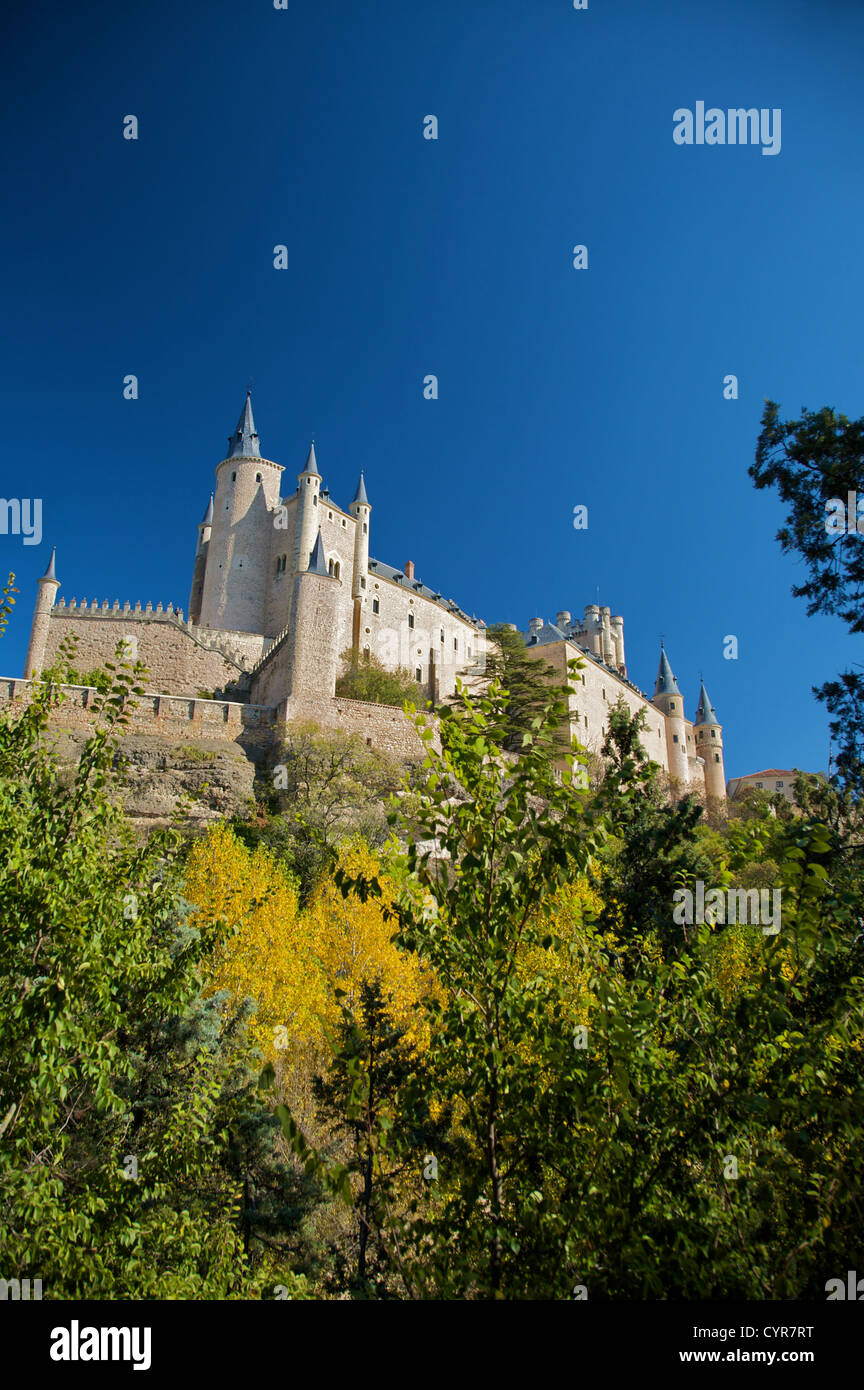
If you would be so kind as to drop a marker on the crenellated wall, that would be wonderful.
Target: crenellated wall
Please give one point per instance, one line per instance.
(181, 658)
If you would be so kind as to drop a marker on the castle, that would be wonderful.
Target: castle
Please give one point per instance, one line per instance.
(284, 587)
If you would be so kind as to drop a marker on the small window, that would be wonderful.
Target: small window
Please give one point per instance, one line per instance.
(329, 516)
(418, 674)
(671, 706)
(758, 784)
(343, 521)
(233, 477)
(779, 784)
(376, 606)
(337, 569)
(365, 528)
(315, 499)
(410, 619)
(442, 634)
(713, 733)
(716, 757)
(674, 738)
(455, 644)
(604, 692)
(362, 582)
(257, 477)
(585, 717)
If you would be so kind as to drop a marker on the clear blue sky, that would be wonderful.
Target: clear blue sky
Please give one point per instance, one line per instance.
(409, 257)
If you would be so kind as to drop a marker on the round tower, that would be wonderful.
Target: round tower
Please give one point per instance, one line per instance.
(47, 593)
(308, 524)
(669, 701)
(316, 638)
(618, 638)
(198, 574)
(709, 746)
(238, 550)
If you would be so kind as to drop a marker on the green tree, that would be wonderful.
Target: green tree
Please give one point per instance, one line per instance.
(124, 1095)
(811, 461)
(364, 677)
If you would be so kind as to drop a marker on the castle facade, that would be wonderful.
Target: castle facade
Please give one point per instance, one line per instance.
(284, 590)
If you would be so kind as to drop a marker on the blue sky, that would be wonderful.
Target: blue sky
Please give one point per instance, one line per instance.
(558, 387)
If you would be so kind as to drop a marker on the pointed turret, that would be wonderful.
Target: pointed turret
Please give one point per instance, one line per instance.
(709, 747)
(311, 463)
(705, 713)
(668, 699)
(243, 443)
(666, 683)
(207, 519)
(46, 593)
(317, 559)
(361, 511)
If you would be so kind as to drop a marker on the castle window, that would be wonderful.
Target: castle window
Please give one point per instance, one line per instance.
(362, 582)
(672, 708)
(586, 720)
(337, 569)
(257, 477)
(315, 499)
(674, 738)
(366, 652)
(604, 694)
(329, 516)
(376, 606)
(455, 644)
(365, 528)
(343, 521)
(329, 566)
(410, 619)
(442, 634)
(713, 733)
(716, 757)
(233, 477)
(418, 674)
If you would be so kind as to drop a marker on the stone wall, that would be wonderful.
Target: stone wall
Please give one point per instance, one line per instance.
(164, 716)
(181, 659)
(597, 690)
(383, 727)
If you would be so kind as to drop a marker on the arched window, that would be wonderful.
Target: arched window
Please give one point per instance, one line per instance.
(329, 566)
(336, 570)
(315, 499)
(410, 619)
(257, 477)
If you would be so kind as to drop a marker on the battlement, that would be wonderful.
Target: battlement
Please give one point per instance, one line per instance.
(233, 646)
(167, 715)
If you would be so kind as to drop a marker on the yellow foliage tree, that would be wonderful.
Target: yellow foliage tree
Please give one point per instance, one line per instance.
(291, 962)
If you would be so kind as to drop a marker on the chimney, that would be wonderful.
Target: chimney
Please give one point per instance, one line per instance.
(408, 568)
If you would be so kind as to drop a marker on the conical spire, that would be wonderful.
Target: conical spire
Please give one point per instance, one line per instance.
(311, 463)
(207, 519)
(666, 682)
(705, 710)
(317, 560)
(51, 573)
(243, 443)
(360, 494)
